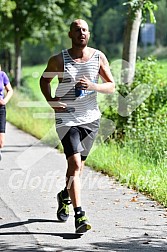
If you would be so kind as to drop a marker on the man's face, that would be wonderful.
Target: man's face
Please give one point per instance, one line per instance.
(79, 33)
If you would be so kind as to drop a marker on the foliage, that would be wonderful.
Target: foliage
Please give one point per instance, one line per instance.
(53, 16)
(104, 23)
(147, 125)
(108, 32)
(36, 21)
(145, 5)
(108, 25)
(161, 25)
(54, 36)
(35, 54)
(7, 7)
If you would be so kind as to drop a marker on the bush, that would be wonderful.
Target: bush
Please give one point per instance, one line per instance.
(145, 128)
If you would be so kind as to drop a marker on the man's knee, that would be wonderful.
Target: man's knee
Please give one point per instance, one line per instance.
(74, 164)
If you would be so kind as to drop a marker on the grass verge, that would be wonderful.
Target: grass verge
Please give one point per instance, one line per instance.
(130, 169)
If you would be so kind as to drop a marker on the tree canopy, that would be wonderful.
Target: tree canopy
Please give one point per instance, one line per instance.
(37, 20)
(45, 22)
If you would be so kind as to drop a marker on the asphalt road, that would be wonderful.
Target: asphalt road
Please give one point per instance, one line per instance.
(32, 174)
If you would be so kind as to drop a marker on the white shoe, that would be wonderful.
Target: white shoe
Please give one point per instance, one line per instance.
(0, 155)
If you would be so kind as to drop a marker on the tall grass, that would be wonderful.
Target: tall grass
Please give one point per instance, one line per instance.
(130, 169)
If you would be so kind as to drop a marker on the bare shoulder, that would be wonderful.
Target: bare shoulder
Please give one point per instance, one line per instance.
(103, 59)
(105, 71)
(55, 63)
(91, 50)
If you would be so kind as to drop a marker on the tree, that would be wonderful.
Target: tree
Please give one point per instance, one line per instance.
(137, 10)
(108, 24)
(161, 26)
(107, 21)
(5, 7)
(38, 20)
(137, 13)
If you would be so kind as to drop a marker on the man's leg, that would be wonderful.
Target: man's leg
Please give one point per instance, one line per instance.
(76, 152)
(75, 167)
(73, 183)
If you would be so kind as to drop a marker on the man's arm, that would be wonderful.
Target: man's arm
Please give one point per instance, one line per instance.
(46, 78)
(50, 72)
(108, 85)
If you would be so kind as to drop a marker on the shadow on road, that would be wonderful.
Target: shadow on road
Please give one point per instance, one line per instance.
(29, 221)
(134, 244)
(145, 243)
(63, 235)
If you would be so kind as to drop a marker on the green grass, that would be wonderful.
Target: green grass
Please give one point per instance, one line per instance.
(121, 162)
(130, 169)
(30, 81)
(31, 76)
(27, 118)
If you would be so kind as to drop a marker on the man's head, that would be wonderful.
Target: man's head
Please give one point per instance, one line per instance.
(79, 33)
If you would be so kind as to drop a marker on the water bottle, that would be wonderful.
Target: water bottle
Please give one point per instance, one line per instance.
(79, 92)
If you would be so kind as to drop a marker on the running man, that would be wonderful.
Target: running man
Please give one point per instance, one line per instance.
(76, 110)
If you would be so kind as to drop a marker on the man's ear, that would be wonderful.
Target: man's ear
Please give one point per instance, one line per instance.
(69, 34)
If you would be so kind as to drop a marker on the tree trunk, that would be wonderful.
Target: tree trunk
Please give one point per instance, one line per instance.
(17, 70)
(128, 66)
(130, 46)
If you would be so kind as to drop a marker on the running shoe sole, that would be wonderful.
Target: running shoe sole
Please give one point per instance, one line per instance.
(83, 228)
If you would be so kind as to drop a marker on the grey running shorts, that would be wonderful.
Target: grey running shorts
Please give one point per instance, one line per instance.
(78, 139)
(2, 118)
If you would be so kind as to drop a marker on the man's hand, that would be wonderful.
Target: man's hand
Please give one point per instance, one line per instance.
(57, 105)
(85, 84)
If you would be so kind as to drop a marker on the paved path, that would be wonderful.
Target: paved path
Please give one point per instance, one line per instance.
(30, 177)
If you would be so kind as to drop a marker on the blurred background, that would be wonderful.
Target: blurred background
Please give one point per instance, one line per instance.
(31, 31)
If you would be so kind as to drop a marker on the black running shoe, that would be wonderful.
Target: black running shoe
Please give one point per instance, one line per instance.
(81, 223)
(63, 207)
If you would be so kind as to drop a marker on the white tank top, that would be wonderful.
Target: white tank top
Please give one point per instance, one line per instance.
(82, 104)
